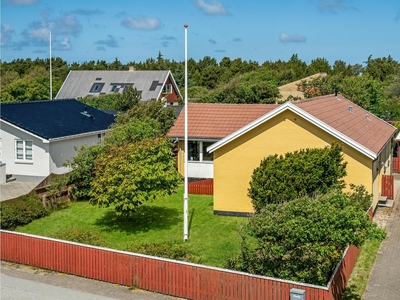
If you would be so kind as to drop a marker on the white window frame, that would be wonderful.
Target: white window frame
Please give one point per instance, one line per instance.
(167, 89)
(201, 160)
(25, 149)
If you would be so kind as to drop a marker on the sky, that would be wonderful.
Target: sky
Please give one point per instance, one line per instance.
(256, 30)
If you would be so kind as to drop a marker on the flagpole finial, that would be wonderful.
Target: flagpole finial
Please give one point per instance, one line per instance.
(186, 25)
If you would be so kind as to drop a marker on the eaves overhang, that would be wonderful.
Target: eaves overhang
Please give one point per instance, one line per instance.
(295, 109)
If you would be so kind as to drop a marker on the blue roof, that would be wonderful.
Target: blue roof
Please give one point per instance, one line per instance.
(51, 119)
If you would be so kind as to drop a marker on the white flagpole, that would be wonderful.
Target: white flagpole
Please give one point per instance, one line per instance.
(51, 79)
(185, 195)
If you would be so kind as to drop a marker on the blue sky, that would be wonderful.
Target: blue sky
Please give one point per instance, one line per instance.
(257, 30)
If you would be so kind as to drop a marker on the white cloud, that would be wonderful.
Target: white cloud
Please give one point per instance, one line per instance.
(63, 45)
(213, 8)
(141, 23)
(6, 35)
(67, 25)
(333, 6)
(109, 42)
(62, 29)
(22, 2)
(295, 38)
(87, 12)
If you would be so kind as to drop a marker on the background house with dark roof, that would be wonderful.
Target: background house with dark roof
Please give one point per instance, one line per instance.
(151, 85)
(244, 138)
(37, 137)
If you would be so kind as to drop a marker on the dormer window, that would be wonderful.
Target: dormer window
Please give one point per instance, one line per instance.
(96, 87)
(167, 89)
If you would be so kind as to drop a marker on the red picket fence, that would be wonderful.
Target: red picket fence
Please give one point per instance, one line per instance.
(202, 187)
(388, 186)
(396, 164)
(179, 279)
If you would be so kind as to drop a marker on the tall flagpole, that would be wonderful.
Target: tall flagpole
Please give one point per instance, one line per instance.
(51, 79)
(185, 195)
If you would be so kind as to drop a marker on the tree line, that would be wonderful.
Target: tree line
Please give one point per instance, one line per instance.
(375, 85)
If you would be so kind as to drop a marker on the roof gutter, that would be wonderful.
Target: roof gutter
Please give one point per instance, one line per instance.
(47, 141)
(69, 137)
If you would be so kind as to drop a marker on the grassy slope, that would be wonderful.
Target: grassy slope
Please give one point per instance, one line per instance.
(213, 238)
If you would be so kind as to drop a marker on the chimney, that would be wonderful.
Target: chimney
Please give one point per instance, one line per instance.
(350, 108)
(336, 92)
(132, 68)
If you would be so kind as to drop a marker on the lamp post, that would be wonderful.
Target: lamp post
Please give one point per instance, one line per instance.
(185, 194)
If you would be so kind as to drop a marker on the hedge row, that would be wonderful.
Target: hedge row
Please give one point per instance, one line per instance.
(22, 210)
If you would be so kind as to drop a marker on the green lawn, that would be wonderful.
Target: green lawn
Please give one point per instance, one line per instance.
(212, 238)
(359, 277)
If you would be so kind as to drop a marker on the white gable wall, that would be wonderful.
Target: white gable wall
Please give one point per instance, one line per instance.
(34, 170)
(63, 150)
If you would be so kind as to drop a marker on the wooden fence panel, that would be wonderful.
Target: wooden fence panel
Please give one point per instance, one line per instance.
(396, 164)
(388, 186)
(202, 187)
(179, 279)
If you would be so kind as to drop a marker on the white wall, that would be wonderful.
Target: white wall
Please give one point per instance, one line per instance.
(201, 169)
(38, 168)
(63, 150)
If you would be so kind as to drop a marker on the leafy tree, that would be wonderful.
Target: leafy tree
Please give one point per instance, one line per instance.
(319, 65)
(294, 174)
(304, 239)
(83, 169)
(365, 92)
(130, 97)
(134, 130)
(132, 173)
(381, 68)
(152, 109)
(107, 101)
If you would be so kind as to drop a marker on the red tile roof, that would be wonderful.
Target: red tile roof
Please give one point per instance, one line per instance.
(216, 121)
(359, 125)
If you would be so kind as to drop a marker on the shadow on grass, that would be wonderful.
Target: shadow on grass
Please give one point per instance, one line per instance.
(145, 218)
(350, 293)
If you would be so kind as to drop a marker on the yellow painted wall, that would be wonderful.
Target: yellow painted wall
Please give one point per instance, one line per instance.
(234, 163)
(378, 170)
(181, 156)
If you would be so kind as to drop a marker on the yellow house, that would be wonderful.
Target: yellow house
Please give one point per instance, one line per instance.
(312, 123)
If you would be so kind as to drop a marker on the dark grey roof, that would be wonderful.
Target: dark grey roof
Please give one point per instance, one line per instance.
(51, 119)
(95, 83)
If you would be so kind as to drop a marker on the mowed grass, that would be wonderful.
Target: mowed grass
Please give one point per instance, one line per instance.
(212, 238)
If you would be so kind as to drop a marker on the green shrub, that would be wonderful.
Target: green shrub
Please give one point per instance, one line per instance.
(171, 250)
(80, 235)
(295, 174)
(22, 210)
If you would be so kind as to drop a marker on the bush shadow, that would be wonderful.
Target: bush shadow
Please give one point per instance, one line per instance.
(350, 293)
(145, 218)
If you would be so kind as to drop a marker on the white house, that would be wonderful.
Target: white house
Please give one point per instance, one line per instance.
(37, 137)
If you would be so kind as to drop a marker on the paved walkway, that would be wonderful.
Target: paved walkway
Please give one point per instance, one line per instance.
(14, 189)
(384, 282)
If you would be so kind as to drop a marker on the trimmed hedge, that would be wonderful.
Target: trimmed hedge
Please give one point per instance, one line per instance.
(171, 250)
(81, 235)
(22, 210)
